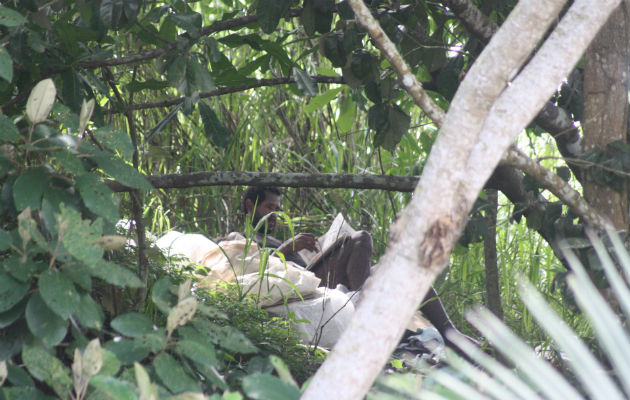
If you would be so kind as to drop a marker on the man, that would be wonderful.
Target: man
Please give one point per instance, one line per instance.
(348, 264)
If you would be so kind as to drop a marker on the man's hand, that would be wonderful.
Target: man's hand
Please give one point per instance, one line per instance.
(300, 241)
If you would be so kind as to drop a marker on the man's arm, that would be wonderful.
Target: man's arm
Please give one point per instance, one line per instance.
(299, 242)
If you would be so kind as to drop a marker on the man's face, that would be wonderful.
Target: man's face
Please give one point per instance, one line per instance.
(270, 204)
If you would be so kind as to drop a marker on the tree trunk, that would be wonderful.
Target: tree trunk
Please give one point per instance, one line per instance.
(606, 77)
(493, 294)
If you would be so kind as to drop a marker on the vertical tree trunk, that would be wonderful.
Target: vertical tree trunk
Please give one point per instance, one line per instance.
(490, 255)
(606, 77)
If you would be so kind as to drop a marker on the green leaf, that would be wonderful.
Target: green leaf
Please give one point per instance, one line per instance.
(8, 130)
(128, 351)
(162, 296)
(176, 71)
(11, 292)
(304, 82)
(132, 324)
(190, 22)
(173, 375)
(97, 197)
(269, 13)
(332, 47)
(268, 387)
(346, 115)
(199, 77)
(323, 99)
(121, 171)
(198, 352)
(151, 84)
(111, 12)
(111, 364)
(308, 17)
(47, 368)
(113, 388)
(58, 293)
(71, 90)
(44, 323)
(323, 15)
(6, 65)
(115, 274)
(10, 17)
(9, 317)
(80, 237)
(5, 240)
(70, 161)
(214, 128)
(89, 314)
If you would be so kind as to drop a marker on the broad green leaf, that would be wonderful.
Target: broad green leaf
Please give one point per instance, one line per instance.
(115, 140)
(40, 101)
(173, 375)
(268, 387)
(29, 188)
(147, 389)
(215, 130)
(199, 77)
(70, 161)
(304, 82)
(176, 71)
(71, 91)
(282, 370)
(151, 84)
(13, 338)
(111, 12)
(155, 341)
(332, 47)
(190, 22)
(10, 17)
(10, 316)
(58, 293)
(19, 377)
(269, 13)
(308, 17)
(78, 273)
(121, 171)
(198, 352)
(346, 115)
(97, 197)
(47, 368)
(128, 351)
(115, 274)
(36, 42)
(132, 324)
(323, 99)
(6, 65)
(115, 389)
(8, 130)
(44, 323)
(162, 296)
(111, 363)
(80, 237)
(89, 313)
(11, 292)
(68, 119)
(323, 15)
(5, 240)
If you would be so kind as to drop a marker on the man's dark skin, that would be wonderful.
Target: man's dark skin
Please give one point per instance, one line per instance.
(348, 265)
(269, 201)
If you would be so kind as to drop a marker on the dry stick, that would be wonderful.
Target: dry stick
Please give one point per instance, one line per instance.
(428, 228)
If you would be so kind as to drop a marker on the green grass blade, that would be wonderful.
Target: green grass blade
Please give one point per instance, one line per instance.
(594, 378)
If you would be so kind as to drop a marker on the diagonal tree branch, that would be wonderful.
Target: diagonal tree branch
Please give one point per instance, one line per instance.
(426, 232)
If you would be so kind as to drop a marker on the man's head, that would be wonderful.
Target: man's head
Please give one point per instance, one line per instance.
(259, 201)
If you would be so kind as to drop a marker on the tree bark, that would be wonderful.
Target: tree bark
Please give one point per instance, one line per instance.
(426, 232)
(606, 77)
(493, 294)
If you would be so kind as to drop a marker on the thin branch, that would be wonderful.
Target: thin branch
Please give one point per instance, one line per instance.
(230, 89)
(296, 179)
(557, 186)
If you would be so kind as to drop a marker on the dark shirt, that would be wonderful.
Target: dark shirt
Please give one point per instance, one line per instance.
(273, 243)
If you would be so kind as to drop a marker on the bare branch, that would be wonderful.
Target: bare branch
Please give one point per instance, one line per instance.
(230, 89)
(233, 178)
(557, 186)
